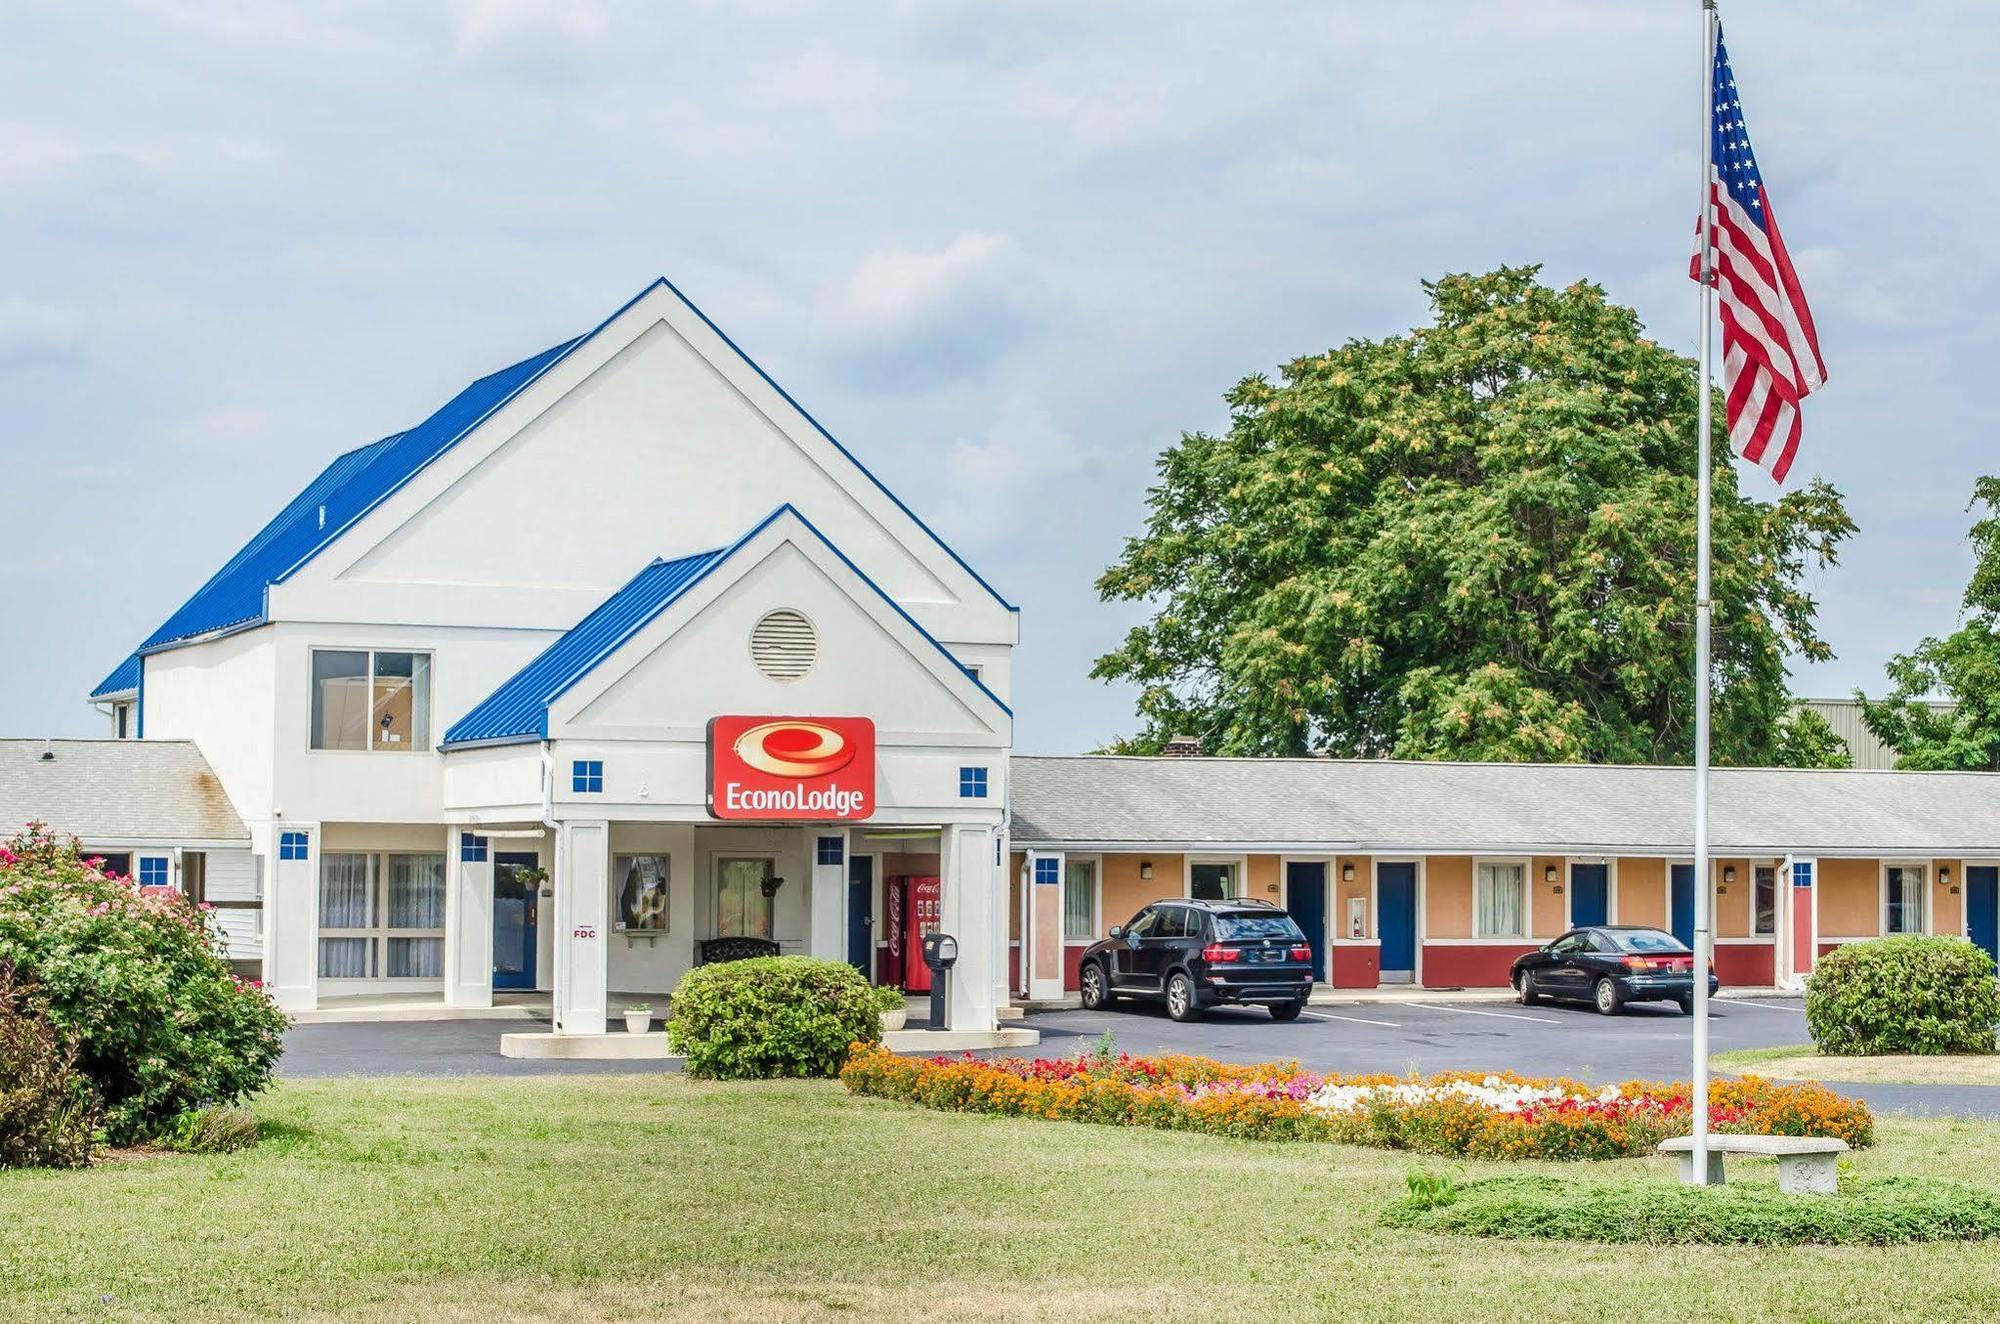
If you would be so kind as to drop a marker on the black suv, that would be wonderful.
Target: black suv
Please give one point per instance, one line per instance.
(1194, 955)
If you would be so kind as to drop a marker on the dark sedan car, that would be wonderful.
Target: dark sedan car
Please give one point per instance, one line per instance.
(1193, 955)
(1610, 965)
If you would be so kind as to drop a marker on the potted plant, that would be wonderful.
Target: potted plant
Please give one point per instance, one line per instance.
(894, 1008)
(639, 1017)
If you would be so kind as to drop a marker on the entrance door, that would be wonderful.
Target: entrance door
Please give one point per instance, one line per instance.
(1135, 960)
(1305, 897)
(1396, 920)
(1682, 908)
(1589, 895)
(515, 892)
(1982, 907)
(861, 912)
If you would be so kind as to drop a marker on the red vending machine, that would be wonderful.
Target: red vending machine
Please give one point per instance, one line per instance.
(889, 961)
(922, 900)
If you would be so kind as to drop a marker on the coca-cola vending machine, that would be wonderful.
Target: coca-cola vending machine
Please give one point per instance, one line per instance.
(922, 901)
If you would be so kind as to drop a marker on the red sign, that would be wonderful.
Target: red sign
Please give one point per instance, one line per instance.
(791, 768)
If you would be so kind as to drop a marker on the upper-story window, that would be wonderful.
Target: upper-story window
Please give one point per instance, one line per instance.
(370, 700)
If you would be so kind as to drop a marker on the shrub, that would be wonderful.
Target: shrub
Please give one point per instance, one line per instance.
(1903, 995)
(1866, 1211)
(771, 1016)
(48, 1116)
(216, 1129)
(138, 981)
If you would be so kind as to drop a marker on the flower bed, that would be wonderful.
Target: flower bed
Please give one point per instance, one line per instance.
(1465, 1113)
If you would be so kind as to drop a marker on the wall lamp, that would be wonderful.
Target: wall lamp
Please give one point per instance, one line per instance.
(1347, 873)
(1728, 873)
(1145, 868)
(1548, 873)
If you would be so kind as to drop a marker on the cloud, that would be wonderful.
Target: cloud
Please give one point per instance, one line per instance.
(993, 482)
(235, 20)
(906, 316)
(32, 334)
(224, 430)
(31, 156)
(515, 28)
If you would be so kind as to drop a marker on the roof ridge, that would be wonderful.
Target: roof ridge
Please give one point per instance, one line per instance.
(1324, 760)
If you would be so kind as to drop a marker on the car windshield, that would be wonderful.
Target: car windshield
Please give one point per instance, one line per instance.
(1647, 940)
(1252, 924)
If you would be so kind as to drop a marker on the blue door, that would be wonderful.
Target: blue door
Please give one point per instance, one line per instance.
(1305, 897)
(515, 892)
(861, 914)
(1682, 909)
(1396, 917)
(1982, 907)
(1589, 895)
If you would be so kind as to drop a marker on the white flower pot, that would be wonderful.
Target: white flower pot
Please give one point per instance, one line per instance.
(894, 1020)
(638, 1022)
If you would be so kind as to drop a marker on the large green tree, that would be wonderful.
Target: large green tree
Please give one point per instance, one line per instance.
(1473, 541)
(1962, 669)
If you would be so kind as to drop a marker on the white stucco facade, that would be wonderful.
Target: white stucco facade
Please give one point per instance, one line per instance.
(653, 437)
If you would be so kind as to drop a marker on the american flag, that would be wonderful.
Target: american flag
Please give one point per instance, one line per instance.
(1770, 353)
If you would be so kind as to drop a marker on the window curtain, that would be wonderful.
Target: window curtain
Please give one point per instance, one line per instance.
(344, 958)
(416, 958)
(343, 892)
(420, 701)
(1501, 893)
(742, 910)
(1906, 900)
(1079, 901)
(416, 891)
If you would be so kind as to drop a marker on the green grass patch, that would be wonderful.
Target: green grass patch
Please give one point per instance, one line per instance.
(644, 1197)
(1880, 1211)
(1805, 1062)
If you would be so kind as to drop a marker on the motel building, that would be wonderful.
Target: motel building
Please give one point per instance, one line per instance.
(619, 661)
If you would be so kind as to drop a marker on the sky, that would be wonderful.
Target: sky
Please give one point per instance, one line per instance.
(1006, 252)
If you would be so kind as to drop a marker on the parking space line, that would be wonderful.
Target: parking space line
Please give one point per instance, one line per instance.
(1761, 1006)
(1358, 1020)
(1472, 1011)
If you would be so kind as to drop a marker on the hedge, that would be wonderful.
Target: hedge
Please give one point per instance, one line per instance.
(771, 1016)
(1903, 995)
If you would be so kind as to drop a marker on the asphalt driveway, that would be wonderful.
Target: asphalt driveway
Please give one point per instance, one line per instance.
(1644, 1042)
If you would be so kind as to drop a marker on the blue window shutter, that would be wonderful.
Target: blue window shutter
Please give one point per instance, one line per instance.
(832, 850)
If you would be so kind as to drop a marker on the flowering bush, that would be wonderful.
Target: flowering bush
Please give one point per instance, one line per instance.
(48, 1116)
(137, 980)
(1479, 1116)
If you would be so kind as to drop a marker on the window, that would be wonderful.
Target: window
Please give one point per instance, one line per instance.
(1211, 882)
(1245, 925)
(1646, 940)
(1570, 942)
(471, 849)
(118, 864)
(1174, 923)
(832, 850)
(741, 908)
(586, 776)
(1079, 900)
(121, 716)
(1047, 871)
(1763, 900)
(1905, 897)
(1499, 907)
(1145, 924)
(972, 783)
(292, 846)
(153, 871)
(368, 700)
(381, 916)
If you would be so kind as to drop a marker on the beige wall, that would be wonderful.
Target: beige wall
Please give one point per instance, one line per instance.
(1361, 886)
(1125, 891)
(1947, 912)
(1262, 877)
(1547, 909)
(1732, 900)
(1850, 899)
(1447, 896)
(1642, 892)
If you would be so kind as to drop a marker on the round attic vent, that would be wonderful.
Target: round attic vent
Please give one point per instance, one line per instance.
(784, 645)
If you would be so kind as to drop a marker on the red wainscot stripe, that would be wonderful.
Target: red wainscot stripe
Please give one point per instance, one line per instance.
(1454, 965)
(1746, 964)
(1073, 965)
(1356, 964)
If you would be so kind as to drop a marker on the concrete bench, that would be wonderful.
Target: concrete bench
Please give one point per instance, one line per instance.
(1807, 1165)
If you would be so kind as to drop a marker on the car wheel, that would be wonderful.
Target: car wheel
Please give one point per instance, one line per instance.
(1287, 1011)
(1096, 994)
(1529, 997)
(1609, 1000)
(1180, 998)
(1686, 1005)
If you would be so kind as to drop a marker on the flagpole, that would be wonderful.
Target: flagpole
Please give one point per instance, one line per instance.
(1703, 609)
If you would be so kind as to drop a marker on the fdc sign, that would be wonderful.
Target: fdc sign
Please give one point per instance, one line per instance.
(791, 768)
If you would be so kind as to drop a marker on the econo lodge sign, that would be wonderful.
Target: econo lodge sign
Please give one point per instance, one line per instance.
(791, 768)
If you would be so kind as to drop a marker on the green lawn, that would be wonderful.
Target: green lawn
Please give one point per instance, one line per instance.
(1804, 1062)
(637, 1197)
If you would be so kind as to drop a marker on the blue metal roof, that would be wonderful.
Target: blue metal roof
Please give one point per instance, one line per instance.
(124, 679)
(519, 709)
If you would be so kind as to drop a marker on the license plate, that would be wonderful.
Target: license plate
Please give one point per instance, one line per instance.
(1269, 958)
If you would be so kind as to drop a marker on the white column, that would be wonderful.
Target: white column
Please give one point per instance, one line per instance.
(975, 915)
(826, 936)
(468, 924)
(291, 919)
(583, 924)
